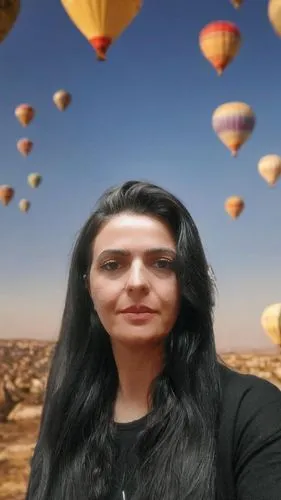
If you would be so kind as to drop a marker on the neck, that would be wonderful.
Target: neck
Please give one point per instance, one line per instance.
(137, 367)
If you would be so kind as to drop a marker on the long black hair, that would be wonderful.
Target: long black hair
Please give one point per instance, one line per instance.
(75, 451)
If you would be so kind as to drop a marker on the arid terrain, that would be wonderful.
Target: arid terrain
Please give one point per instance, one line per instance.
(23, 373)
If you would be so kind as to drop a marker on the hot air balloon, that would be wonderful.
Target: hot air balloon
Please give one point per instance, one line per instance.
(62, 99)
(274, 15)
(6, 194)
(25, 114)
(269, 168)
(102, 21)
(233, 122)
(25, 146)
(237, 3)
(271, 322)
(220, 42)
(9, 11)
(34, 180)
(24, 205)
(234, 206)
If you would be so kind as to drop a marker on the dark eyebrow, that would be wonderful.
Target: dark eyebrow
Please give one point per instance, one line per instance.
(167, 251)
(125, 253)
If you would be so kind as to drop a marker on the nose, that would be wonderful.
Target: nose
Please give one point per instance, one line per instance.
(137, 279)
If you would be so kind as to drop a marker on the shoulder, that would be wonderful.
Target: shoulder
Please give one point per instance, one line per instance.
(244, 391)
(250, 414)
(244, 396)
(251, 434)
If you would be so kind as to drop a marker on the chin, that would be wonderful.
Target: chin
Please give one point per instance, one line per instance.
(140, 337)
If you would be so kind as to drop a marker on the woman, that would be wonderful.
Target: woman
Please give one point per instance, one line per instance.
(138, 406)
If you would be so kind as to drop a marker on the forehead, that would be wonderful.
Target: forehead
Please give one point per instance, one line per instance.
(133, 232)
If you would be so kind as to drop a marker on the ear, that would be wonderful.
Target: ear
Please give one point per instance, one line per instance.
(87, 286)
(86, 281)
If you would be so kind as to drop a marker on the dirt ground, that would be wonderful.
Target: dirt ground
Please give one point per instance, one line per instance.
(17, 440)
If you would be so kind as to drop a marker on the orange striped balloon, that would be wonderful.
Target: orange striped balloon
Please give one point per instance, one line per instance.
(102, 21)
(220, 42)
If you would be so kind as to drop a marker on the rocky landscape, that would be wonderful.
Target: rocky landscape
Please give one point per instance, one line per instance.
(24, 368)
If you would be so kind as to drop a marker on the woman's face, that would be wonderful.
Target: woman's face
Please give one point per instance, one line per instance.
(132, 280)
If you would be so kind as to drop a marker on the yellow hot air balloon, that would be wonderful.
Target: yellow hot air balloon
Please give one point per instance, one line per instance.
(24, 205)
(274, 15)
(234, 206)
(25, 146)
(271, 322)
(102, 21)
(233, 123)
(220, 42)
(34, 180)
(25, 114)
(9, 11)
(269, 168)
(62, 99)
(6, 194)
(237, 3)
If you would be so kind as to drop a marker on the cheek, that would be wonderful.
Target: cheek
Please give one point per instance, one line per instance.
(170, 302)
(104, 297)
(170, 313)
(102, 302)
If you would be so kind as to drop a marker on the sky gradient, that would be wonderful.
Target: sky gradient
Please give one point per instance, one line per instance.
(144, 114)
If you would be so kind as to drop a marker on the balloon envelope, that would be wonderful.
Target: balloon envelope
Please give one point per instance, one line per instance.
(237, 3)
(274, 15)
(9, 11)
(62, 99)
(24, 205)
(233, 123)
(25, 114)
(234, 206)
(220, 42)
(6, 194)
(34, 180)
(271, 322)
(102, 21)
(25, 146)
(269, 168)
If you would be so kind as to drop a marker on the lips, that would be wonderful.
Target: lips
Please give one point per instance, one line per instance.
(138, 309)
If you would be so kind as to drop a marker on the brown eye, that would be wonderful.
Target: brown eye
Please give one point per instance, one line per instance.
(111, 265)
(164, 264)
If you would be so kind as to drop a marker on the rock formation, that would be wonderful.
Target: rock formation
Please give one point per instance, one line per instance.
(24, 367)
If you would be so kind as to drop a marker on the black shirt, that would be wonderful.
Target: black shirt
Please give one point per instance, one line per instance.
(249, 447)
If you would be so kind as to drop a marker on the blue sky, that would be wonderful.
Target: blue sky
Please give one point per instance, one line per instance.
(144, 114)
